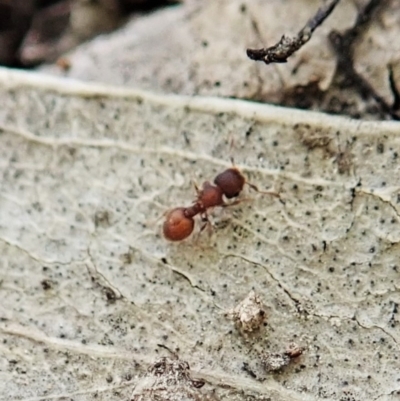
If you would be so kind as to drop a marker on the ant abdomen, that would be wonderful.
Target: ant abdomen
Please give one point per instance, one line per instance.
(177, 225)
(231, 182)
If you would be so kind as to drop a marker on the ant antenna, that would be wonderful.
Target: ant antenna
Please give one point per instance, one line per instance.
(271, 193)
(255, 188)
(196, 187)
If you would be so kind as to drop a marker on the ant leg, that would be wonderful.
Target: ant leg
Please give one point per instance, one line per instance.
(255, 188)
(236, 202)
(272, 193)
(206, 224)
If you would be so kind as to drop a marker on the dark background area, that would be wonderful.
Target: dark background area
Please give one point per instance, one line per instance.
(37, 31)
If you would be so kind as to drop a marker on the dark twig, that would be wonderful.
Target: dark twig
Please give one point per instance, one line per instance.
(280, 52)
(395, 91)
(342, 42)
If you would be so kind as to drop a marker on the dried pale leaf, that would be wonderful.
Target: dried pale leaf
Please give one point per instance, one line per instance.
(89, 287)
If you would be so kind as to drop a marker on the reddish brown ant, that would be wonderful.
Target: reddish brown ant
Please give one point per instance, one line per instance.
(179, 222)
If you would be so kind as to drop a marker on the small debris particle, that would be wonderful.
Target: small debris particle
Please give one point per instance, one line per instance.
(102, 218)
(273, 362)
(46, 284)
(380, 148)
(169, 379)
(126, 258)
(110, 295)
(250, 314)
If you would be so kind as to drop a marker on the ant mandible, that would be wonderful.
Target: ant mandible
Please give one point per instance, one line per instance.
(179, 222)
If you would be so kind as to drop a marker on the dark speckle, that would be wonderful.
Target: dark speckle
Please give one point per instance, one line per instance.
(110, 294)
(46, 284)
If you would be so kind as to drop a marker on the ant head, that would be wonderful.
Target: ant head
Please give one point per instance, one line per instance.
(231, 182)
(210, 196)
(177, 226)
